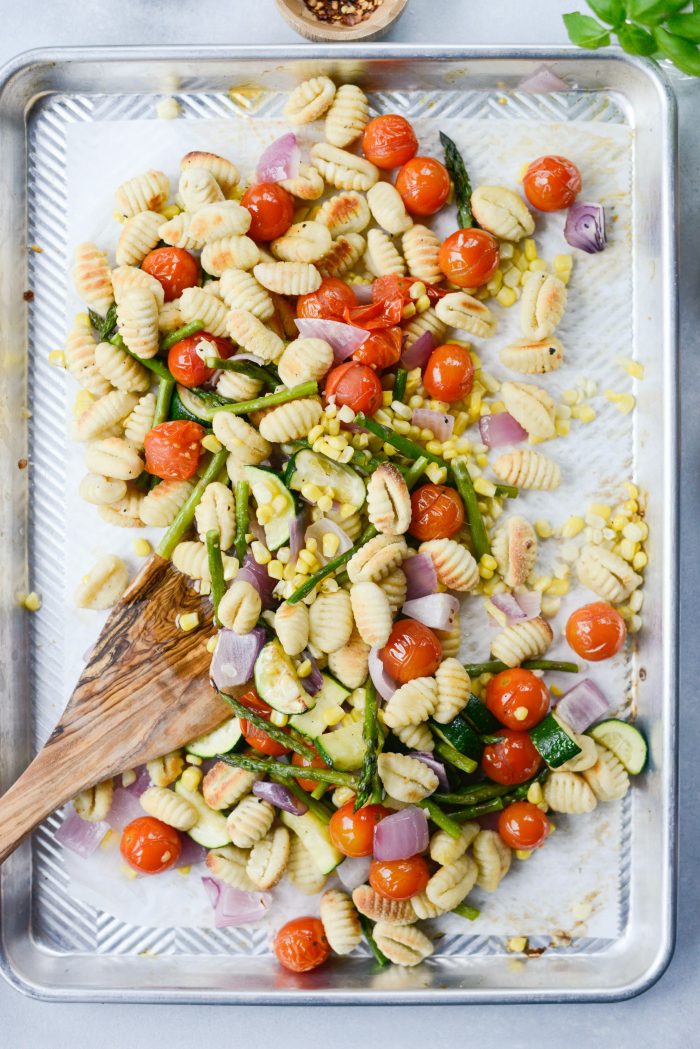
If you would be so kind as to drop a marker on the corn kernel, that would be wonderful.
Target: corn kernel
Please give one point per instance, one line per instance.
(188, 622)
(542, 583)
(631, 506)
(402, 410)
(570, 397)
(635, 624)
(325, 503)
(191, 778)
(516, 944)
(496, 282)
(332, 715)
(635, 532)
(278, 718)
(275, 570)
(640, 561)
(506, 250)
(212, 643)
(550, 606)
(484, 487)
(538, 266)
(485, 573)
(572, 527)
(562, 263)
(402, 426)
(422, 304)
(416, 290)
(594, 520)
(490, 587)
(83, 400)
(304, 668)
(520, 713)
(506, 297)
(562, 427)
(211, 443)
(408, 311)
(511, 279)
(530, 249)
(315, 432)
(489, 561)
(631, 489)
(633, 368)
(261, 555)
(584, 413)
(31, 601)
(346, 510)
(544, 529)
(57, 359)
(534, 794)
(558, 587)
(482, 460)
(636, 601)
(628, 549)
(306, 557)
(523, 854)
(330, 544)
(436, 473)
(624, 402)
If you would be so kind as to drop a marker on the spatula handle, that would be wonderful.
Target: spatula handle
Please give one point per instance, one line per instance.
(41, 789)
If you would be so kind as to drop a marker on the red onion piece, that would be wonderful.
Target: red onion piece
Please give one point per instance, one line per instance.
(124, 808)
(141, 783)
(296, 536)
(437, 766)
(325, 526)
(279, 796)
(543, 81)
(500, 428)
(190, 853)
(384, 685)
(421, 577)
(489, 821)
(313, 682)
(363, 293)
(401, 835)
(257, 576)
(585, 227)
(507, 604)
(582, 705)
(353, 871)
(280, 160)
(252, 357)
(438, 611)
(441, 423)
(80, 836)
(234, 657)
(417, 355)
(233, 907)
(344, 339)
(530, 602)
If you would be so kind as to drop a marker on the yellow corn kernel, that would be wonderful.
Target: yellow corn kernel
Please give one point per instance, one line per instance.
(584, 413)
(520, 713)
(408, 311)
(506, 297)
(542, 583)
(570, 397)
(422, 304)
(275, 570)
(482, 460)
(636, 531)
(636, 600)
(304, 668)
(170, 211)
(402, 426)
(631, 489)
(333, 715)
(523, 854)
(211, 443)
(306, 557)
(558, 587)
(57, 359)
(436, 473)
(325, 503)
(521, 263)
(562, 263)
(311, 492)
(633, 368)
(346, 510)
(562, 427)
(485, 573)
(631, 506)
(640, 561)
(334, 427)
(31, 601)
(261, 555)
(278, 719)
(128, 872)
(489, 587)
(109, 841)
(330, 544)
(315, 432)
(193, 759)
(484, 487)
(489, 561)
(530, 249)
(416, 290)
(141, 547)
(635, 624)
(496, 282)
(191, 778)
(624, 402)
(628, 549)
(188, 622)
(511, 280)
(83, 400)
(601, 509)
(538, 266)
(516, 944)
(550, 605)
(212, 643)
(497, 407)
(544, 529)
(572, 527)
(556, 691)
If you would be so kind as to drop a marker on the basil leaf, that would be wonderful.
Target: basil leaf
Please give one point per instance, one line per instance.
(687, 26)
(684, 54)
(635, 40)
(585, 31)
(649, 12)
(610, 11)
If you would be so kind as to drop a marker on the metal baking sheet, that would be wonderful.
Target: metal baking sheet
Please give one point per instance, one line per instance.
(58, 111)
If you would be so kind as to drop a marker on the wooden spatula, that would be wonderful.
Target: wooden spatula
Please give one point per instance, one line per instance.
(144, 692)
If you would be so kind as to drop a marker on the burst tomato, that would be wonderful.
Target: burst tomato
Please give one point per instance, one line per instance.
(329, 301)
(469, 257)
(316, 762)
(389, 141)
(173, 449)
(552, 183)
(301, 945)
(256, 737)
(149, 845)
(185, 358)
(449, 373)
(437, 512)
(424, 185)
(174, 268)
(355, 385)
(411, 651)
(392, 286)
(511, 761)
(518, 698)
(381, 349)
(523, 826)
(399, 879)
(352, 832)
(596, 631)
(271, 209)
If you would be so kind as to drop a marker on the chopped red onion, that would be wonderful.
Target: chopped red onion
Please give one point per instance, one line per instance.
(417, 355)
(500, 428)
(124, 808)
(582, 705)
(344, 339)
(80, 836)
(421, 577)
(191, 853)
(437, 611)
(384, 685)
(363, 293)
(141, 783)
(530, 602)
(489, 821)
(543, 81)
(437, 766)
(296, 536)
(252, 357)
(441, 423)
(233, 907)
(279, 796)
(401, 835)
(325, 526)
(257, 575)
(585, 227)
(313, 682)
(234, 657)
(507, 604)
(280, 160)
(353, 871)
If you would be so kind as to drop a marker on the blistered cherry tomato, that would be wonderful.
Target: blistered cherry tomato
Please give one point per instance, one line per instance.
(449, 373)
(185, 361)
(596, 631)
(301, 945)
(469, 257)
(381, 349)
(389, 141)
(173, 449)
(355, 385)
(256, 737)
(271, 209)
(352, 832)
(392, 286)
(523, 826)
(512, 761)
(174, 268)
(437, 512)
(399, 879)
(424, 185)
(552, 183)
(329, 301)
(411, 651)
(149, 845)
(316, 762)
(518, 698)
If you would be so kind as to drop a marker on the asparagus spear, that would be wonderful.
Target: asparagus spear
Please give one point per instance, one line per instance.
(186, 513)
(460, 180)
(154, 364)
(399, 391)
(368, 930)
(165, 395)
(337, 562)
(369, 789)
(440, 818)
(314, 806)
(272, 731)
(216, 570)
(285, 772)
(415, 472)
(465, 487)
(104, 326)
(181, 333)
(494, 666)
(402, 444)
(270, 400)
(453, 757)
(465, 911)
(266, 375)
(242, 497)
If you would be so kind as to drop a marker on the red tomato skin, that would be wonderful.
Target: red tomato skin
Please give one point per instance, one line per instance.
(552, 183)
(399, 879)
(302, 762)
(412, 651)
(596, 631)
(523, 826)
(150, 846)
(513, 761)
(173, 449)
(352, 832)
(469, 257)
(389, 141)
(437, 512)
(381, 349)
(185, 364)
(424, 185)
(301, 945)
(512, 689)
(256, 737)
(329, 301)
(449, 373)
(271, 209)
(355, 385)
(392, 286)
(174, 268)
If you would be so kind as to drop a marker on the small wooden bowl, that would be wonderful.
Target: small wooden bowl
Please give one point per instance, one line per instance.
(301, 19)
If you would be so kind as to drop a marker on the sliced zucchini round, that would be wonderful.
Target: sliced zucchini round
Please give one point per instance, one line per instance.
(219, 741)
(625, 741)
(313, 468)
(277, 683)
(195, 405)
(267, 488)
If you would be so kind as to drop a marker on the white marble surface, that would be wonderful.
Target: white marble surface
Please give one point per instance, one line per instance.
(668, 1014)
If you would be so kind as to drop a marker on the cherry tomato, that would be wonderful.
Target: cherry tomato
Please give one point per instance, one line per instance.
(512, 761)
(174, 268)
(552, 183)
(256, 737)
(271, 209)
(596, 631)
(316, 762)
(381, 349)
(449, 373)
(469, 257)
(301, 945)
(185, 361)
(355, 385)
(392, 286)
(523, 826)
(375, 316)
(399, 879)
(173, 449)
(424, 185)
(411, 651)
(514, 692)
(149, 845)
(351, 832)
(389, 141)
(329, 301)
(437, 512)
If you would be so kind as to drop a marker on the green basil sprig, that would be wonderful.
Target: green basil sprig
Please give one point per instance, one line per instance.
(642, 27)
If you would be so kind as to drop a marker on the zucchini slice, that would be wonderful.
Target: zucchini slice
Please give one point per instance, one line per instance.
(219, 741)
(312, 723)
(195, 405)
(277, 683)
(553, 743)
(313, 468)
(267, 487)
(345, 746)
(210, 830)
(625, 741)
(459, 734)
(315, 836)
(479, 715)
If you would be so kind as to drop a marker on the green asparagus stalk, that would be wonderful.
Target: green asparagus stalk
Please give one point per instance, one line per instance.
(460, 180)
(242, 498)
(165, 396)
(154, 364)
(474, 795)
(402, 444)
(369, 789)
(270, 400)
(453, 757)
(497, 804)
(216, 571)
(508, 491)
(181, 333)
(332, 566)
(186, 513)
(465, 487)
(465, 911)
(415, 472)
(104, 325)
(368, 930)
(275, 733)
(263, 374)
(286, 772)
(315, 807)
(399, 391)
(440, 818)
(494, 666)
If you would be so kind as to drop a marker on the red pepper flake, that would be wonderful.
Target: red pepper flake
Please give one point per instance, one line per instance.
(342, 12)
(22, 464)
(28, 296)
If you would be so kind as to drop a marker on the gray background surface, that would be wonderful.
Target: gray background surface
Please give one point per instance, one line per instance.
(668, 1014)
